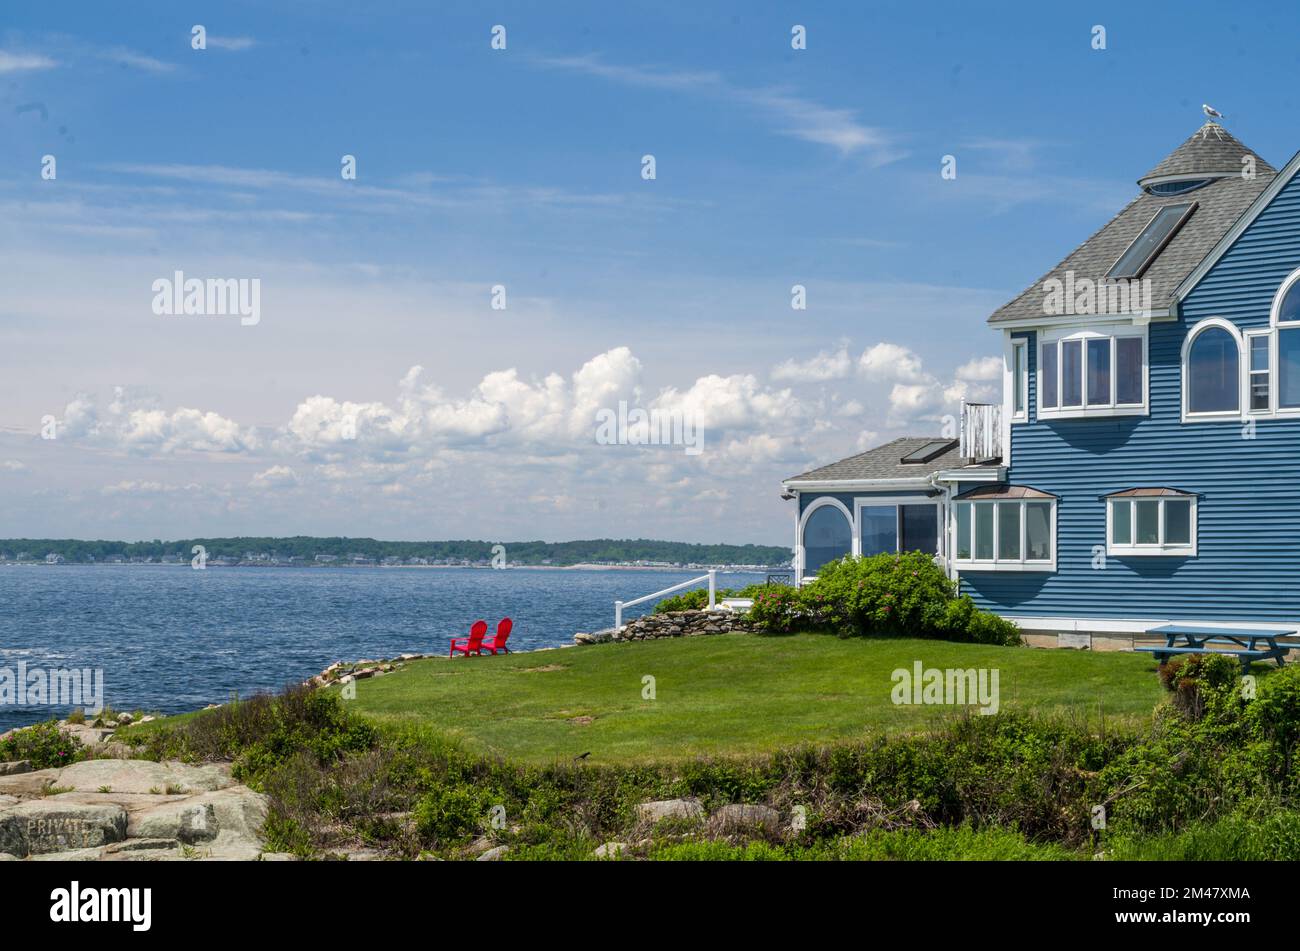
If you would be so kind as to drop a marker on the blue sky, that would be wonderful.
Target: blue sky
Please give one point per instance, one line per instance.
(522, 167)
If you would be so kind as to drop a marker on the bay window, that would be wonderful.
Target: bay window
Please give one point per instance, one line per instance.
(1004, 528)
(1151, 522)
(1093, 373)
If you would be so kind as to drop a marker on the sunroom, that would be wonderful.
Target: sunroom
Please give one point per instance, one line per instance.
(894, 498)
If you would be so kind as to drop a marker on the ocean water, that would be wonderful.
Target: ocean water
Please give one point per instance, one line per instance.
(172, 639)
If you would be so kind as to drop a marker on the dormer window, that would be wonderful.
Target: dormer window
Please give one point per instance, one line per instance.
(1170, 189)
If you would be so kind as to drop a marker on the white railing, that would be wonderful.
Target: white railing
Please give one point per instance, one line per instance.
(711, 578)
(981, 431)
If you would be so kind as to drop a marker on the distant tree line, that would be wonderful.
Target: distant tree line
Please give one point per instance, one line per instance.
(306, 548)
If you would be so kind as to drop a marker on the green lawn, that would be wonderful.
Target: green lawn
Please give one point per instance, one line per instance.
(733, 693)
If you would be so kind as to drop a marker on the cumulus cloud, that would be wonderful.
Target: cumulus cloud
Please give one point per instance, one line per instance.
(889, 362)
(981, 369)
(822, 368)
(134, 423)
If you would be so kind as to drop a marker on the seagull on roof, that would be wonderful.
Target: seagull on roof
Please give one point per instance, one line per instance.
(1210, 111)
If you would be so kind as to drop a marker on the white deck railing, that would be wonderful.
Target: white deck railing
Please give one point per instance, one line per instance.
(711, 578)
(981, 431)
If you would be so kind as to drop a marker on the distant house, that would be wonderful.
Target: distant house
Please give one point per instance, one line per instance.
(1137, 469)
(53, 559)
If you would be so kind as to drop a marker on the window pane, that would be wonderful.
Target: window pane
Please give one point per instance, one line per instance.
(879, 529)
(963, 529)
(1212, 366)
(1178, 522)
(1258, 372)
(1099, 372)
(1009, 531)
(1048, 375)
(1038, 531)
(1121, 522)
(1153, 237)
(984, 531)
(827, 535)
(1018, 378)
(1288, 368)
(1290, 309)
(1071, 372)
(1128, 370)
(1147, 516)
(920, 528)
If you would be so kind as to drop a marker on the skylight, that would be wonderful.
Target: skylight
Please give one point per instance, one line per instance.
(928, 451)
(1158, 232)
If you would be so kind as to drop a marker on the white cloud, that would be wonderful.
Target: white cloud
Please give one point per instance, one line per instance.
(823, 367)
(794, 115)
(17, 62)
(125, 57)
(275, 477)
(981, 369)
(132, 423)
(886, 362)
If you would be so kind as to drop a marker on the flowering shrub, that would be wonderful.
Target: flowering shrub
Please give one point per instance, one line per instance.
(43, 745)
(882, 594)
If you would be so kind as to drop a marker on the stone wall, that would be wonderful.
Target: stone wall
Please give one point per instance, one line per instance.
(671, 624)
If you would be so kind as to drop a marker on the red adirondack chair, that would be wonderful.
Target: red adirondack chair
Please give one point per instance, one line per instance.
(471, 645)
(498, 643)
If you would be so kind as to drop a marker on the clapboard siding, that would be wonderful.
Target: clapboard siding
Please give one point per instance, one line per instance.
(1247, 566)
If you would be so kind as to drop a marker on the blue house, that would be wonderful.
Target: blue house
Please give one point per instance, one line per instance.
(1137, 470)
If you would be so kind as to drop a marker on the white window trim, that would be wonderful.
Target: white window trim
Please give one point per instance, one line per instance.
(1223, 416)
(862, 502)
(800, 557)
(1159, 550)
(1113, 332)
(1270, 337)
(1279, 297)
(1009, 379)
(1276, 409)
(999, 564)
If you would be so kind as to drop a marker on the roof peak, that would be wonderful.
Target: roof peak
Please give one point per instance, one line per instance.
(1211, 151)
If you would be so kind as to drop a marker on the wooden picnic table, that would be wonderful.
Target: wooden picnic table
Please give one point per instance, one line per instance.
(1244, 643)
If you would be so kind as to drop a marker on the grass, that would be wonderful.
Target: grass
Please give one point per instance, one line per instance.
(732, 694)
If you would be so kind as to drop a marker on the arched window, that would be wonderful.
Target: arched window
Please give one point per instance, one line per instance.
(1287, 309)
(1212, 369)
(827, 534)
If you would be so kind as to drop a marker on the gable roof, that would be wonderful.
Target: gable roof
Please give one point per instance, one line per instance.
(883, 462)
(1210, 152)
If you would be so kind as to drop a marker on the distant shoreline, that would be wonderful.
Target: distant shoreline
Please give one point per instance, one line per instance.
(729, 569)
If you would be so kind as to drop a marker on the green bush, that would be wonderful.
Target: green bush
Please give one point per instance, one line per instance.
(881, 594)
(43, 745)
(451, 813)
(698, 599)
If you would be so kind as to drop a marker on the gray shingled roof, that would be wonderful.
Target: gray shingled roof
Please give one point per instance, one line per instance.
(1218, 205)
(882, 463)
(1211, 148)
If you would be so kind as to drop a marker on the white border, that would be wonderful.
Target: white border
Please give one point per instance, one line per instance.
(1113, 332)
(1223, 416)
(998, 564)
(1161, 550)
